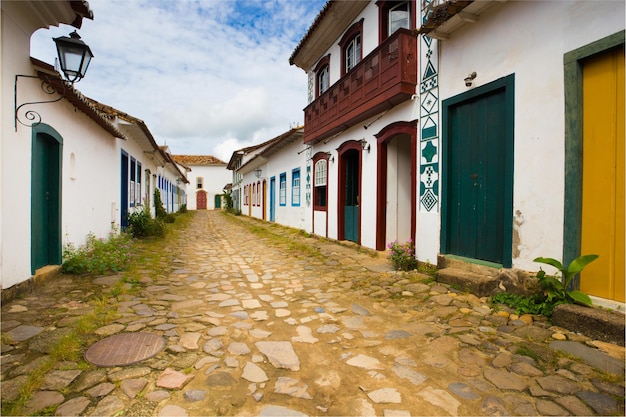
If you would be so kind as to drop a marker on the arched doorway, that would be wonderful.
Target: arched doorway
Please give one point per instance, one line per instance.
(201, 200)
(396, 183)
(45, 197)
(349, 210)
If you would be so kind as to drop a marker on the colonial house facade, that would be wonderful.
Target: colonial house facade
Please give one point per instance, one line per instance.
(68, 167)
(207, 178)
(434, 121)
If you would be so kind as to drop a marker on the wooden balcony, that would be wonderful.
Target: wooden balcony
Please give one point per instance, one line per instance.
(383, 79)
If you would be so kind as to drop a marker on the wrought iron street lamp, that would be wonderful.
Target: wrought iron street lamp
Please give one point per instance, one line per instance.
(74, 58)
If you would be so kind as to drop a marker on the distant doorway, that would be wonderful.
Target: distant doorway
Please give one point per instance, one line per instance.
(201, 200)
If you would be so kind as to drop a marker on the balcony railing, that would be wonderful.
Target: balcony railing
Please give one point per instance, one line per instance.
(383, 79)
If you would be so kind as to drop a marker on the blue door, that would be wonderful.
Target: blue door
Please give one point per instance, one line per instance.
(124, 190)
(273, 199)
(351, 196)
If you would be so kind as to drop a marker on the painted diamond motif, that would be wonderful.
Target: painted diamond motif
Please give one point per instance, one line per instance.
(429, 200)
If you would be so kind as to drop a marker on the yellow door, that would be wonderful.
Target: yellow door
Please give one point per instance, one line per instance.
(603, 175)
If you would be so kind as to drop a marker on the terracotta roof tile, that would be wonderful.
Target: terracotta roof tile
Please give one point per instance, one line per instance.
(198, 160)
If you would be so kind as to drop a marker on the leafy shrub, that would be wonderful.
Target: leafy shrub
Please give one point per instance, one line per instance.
(555, 291)
(524, 305)
(169, 218)
(158, 205)
(141, 224)
(98, 255)
(402, 255)
(183, 209)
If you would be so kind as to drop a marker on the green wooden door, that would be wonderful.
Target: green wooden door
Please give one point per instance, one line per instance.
(351, 203)
(476, 186)
(45, 202)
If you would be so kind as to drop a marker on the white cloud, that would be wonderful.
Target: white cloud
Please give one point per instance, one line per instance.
(206, 76)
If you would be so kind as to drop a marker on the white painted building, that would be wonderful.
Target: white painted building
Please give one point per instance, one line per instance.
(67, 168)
(207, 178)
(459, 125)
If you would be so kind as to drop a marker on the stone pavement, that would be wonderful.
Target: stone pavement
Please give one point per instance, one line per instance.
(258, 326)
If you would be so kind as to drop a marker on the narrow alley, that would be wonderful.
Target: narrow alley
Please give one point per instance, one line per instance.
(279, 323)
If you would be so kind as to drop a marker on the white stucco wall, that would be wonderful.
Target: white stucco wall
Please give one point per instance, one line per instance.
(285, 161)
(529, 39)
(215, 178)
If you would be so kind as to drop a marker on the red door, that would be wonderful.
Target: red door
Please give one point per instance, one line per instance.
(201, 200)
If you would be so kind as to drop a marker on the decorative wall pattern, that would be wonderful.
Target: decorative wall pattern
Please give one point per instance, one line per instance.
(429, 120)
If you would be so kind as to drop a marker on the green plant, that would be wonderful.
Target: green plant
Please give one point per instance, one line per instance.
(183, 209)
(141, 224)
(169, 218)
(557, 290)
(158, 205)
(98, 255)
(524, 305)
(402, 255)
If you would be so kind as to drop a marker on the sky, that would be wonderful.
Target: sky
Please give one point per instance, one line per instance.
(207, 77)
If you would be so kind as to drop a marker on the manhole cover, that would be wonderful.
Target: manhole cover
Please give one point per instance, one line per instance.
(124, 349)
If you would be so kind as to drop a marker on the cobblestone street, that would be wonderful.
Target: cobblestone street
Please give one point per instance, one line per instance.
(255, 326)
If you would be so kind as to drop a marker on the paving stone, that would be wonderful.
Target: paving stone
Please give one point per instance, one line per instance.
(385, 396)
(504, 380)
(58, 380)
(23, 332)
(361, 311)
(412, 375)
(132, 387)
(100, 390)
(195, 395)
(494, 406)
(170, 410)
(574, 405)
(190, 340)
(601, 403)
(305, 335)
(109, 406)
(365, 362)
(44, 341)
(238, 348)
(280, 354)
(397, 334)
(558, 384)
(73, 407)
(328, 329)
(172, 379)
(549, 408)
(41, 400)
(441, 399)
(11, 388)
(213, 345)
(591, 356)
(292, 387)
(253, 373)
(523, 368)
(158, 395)
(463, 390)
(220, 379)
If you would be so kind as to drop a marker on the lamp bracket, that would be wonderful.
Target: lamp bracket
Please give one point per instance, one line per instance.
(31, 115)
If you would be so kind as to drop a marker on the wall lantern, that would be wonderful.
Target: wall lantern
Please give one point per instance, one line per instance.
(258, 172)
(74, 58)
(366, 146)
(330, 157)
